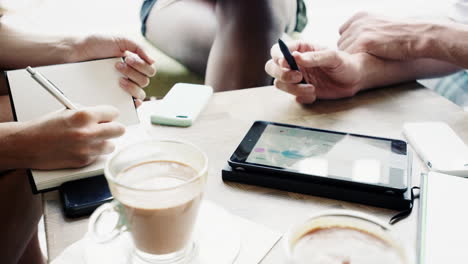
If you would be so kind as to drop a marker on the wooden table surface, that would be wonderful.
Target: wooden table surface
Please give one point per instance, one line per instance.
(228, 116)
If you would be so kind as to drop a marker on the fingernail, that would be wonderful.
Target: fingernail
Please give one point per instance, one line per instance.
(141, 94)
(297, 77)
(130, 60)
(120, 65)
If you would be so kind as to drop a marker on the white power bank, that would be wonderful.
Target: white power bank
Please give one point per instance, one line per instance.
(182, 105)
(438, 146)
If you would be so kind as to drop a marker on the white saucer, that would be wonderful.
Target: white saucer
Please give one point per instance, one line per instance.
(217, 239)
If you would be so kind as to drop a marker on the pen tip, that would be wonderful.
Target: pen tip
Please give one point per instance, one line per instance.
(30, 70)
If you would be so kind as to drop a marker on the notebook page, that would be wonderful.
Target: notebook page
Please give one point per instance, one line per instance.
(86, 83)
(446, 228)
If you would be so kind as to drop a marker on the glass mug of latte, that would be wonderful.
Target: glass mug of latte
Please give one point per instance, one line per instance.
(157, 187)
(343, 237)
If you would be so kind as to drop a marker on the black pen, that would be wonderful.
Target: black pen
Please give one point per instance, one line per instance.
(289, 58)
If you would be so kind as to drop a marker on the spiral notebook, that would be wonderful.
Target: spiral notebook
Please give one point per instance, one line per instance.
(443, 228)
(87, 84)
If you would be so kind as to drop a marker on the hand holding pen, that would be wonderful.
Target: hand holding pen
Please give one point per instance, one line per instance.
(70, 138)
(329, 73)
(289, 58)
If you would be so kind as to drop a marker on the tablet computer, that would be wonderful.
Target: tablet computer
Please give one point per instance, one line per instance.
(323, 156)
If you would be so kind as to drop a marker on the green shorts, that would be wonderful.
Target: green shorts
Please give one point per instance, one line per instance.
(301, 15)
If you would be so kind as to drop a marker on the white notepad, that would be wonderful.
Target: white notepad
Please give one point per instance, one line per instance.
(86, 84)
(443, 227)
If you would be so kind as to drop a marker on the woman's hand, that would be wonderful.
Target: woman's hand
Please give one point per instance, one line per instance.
(137, 68)
(67, 139)
(329, 74)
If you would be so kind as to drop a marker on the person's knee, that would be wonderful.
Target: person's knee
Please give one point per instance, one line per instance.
(185, 30)
(24, 209)
(262, 16)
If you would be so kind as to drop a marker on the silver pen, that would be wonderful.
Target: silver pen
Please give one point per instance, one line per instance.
(51, 88)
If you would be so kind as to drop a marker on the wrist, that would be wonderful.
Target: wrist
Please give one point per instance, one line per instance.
(74, 48)
(426, 41)
(15, 148)
(371, 69)
(449, 43)
(61, 50)
(366, 68)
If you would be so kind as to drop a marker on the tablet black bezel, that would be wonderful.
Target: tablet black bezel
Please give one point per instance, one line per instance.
(239, 157)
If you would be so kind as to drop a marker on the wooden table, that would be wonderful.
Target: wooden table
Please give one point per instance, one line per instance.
(226, 119)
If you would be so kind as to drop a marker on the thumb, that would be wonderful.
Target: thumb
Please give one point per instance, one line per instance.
(323, 58)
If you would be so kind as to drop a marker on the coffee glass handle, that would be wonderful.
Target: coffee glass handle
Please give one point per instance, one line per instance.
(107, 222)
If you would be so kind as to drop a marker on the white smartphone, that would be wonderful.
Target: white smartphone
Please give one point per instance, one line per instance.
(182, 105)
(438, 146)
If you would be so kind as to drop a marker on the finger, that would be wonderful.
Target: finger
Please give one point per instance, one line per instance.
(350, 21)
(282, 74)
(131, 88)
(101, 148)
(343, 37)
(104, 113)
(284, 63)
(324, 58)
(108, 130)
(139, 64)
(355, 47)
(135, 76)
(352, 34)
(97, 114)
(345, 43)
(138, 103)
(353, 44)
(295, 45)
(306, 99)
(129, 45)
(301, 90)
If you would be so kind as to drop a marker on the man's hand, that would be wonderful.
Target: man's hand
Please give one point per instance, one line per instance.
(386, 38)
(138, 66)
(329, 74)
(68, 139)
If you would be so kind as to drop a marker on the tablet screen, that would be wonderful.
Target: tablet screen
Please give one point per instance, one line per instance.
(337, 155)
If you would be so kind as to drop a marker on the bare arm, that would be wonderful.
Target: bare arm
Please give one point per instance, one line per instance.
(447, 42)
(332, 74)
(377, 72)
(406, 39)
(20, 49)
(10, 150)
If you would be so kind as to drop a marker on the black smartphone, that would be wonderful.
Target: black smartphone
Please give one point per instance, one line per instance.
(81, 197)
(324, 156)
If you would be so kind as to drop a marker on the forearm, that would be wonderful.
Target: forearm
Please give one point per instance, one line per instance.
(20, 49)
(377, 72)
(12, 146)
(445, 41)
